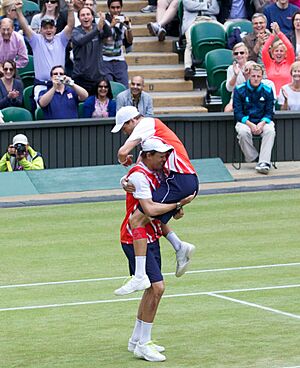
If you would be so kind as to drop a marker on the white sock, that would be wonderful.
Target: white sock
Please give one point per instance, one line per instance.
(174, 240)
(140, 266)
(145, 332)
(136, 333)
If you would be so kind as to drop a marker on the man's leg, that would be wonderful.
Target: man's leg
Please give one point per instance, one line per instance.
(268, 137)
(246, 142)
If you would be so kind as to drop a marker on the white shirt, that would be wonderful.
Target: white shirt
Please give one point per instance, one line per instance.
(293, 98)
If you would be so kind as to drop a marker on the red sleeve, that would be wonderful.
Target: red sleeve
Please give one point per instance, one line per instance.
(290, 54)
(266, 58)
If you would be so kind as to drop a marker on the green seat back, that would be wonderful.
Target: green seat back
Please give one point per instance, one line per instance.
(206, 36)
(27, 92)
(217, 63)
(116, 88)
(12, 114)
(29, 68)
(30, 6)
(80, 110)
(39, 113)
(225, 94)
(244, 25)
(27, 79)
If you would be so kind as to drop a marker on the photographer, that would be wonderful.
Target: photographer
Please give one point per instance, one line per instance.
(20, 156)
(114, 63)
(61, 100)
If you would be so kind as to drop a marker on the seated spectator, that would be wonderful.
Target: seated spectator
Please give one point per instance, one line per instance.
(194, 13)
(48, 47)
(11, 89)
(50, 10)
(231, 10)
(282, 56)
(135, 96)
(281, 12)
(12, 44)
(101, 103)
(114, 64)
(1, 117)
(60, 101)
(9, 11)
(289, 96)
(294, 36)
(255, 40)
(87, 42)
(253, 104)
(166, 11)
(20, 156)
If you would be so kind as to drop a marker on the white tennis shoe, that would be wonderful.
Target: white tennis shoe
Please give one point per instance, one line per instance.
(148, 352)
(134, 284)
(132, 345)
(183, 257)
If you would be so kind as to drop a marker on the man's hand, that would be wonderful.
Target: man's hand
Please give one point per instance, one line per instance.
(18, 6)
(101, 21)
(13, 94)
(128, 161)
(11, 150)
(260, 127)
(275, 28)
(179, 214)
(188, 199)
(253, 127)
(127, 186)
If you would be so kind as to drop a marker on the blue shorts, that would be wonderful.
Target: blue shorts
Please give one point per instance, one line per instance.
(153, 260)
(173, 189)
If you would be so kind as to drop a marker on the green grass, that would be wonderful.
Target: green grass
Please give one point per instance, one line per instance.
(81, 241)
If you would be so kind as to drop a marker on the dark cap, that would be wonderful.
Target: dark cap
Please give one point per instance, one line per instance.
(48, 22)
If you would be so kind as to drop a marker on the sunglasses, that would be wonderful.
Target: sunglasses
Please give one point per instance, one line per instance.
(8, 69)
(238, 52)
(57, 73)
(103, 87)
(50, 2)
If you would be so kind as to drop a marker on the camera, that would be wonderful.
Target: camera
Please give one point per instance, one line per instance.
(120, 18)
(20, 148)
(68, 82)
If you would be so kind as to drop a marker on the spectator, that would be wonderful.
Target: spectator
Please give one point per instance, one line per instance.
(194, 13)
(255, 40)
(260, 5)
(11, 89)
(281, 12)
(253, 104)
(235, 72)
(9, 11)
(151, 7)
(114, 63)
(48, 48)
(20, 156)
(87, 42)
(166, 11)
(61, 100)
(289, 96)
(50, 10)
(101, 103)
(92, 5)
(282, 56)
(12, 44)
(294, 36)
(135, 96)
(231, 10)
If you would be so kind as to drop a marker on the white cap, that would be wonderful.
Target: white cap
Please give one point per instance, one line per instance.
(154, 144)
(20, 138)
(125, 113)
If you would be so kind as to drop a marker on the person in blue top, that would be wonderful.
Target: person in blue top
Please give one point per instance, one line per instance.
(60, 101)
(253, 105)
(101, 103)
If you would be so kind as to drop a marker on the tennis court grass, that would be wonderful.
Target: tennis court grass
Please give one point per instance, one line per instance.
(237, 307)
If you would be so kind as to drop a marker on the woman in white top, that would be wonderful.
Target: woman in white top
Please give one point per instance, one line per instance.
(235, 72)
(50, 10)
(289, 96)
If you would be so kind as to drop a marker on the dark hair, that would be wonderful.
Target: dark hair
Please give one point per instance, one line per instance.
(293, 18)
(13, 64)
(85, 7)
(56, 66)
(57, 9)
(109, 90)
(114, 1)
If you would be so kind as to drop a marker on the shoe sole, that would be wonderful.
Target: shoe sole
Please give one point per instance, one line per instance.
(142, 356)
(158, 348)
(189, 255)
(263, 171)
(151, 30)
(120, 292)
(162, 35)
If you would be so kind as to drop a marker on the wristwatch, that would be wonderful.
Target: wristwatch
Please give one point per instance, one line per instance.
(178, 206)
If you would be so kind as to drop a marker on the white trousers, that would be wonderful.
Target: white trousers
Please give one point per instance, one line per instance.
(246, 142)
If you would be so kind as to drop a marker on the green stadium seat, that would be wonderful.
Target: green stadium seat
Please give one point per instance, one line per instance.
(80, 110)
(225, 94)
(13, 114)
(116, 88)
(30, 6)
(206, 36)
(244, 25)
(27, 92)
(27, 79)
(28, 69)
(39, 114)
(217, 63)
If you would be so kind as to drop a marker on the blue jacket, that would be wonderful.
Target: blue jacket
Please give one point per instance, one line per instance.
(254, 104)
(89, 107)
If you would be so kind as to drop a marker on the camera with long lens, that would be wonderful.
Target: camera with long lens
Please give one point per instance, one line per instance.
(20, 148)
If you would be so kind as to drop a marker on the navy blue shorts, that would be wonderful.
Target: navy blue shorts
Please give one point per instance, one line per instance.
(153, 260)
(173, 189)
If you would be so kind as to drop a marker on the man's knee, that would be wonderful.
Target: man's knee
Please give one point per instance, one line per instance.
(158, 289)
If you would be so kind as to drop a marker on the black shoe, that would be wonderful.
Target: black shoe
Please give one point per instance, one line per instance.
(188, 73)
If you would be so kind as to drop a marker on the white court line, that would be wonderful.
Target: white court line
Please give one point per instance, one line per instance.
(165, 274)
(276, 311)
(138, 298)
